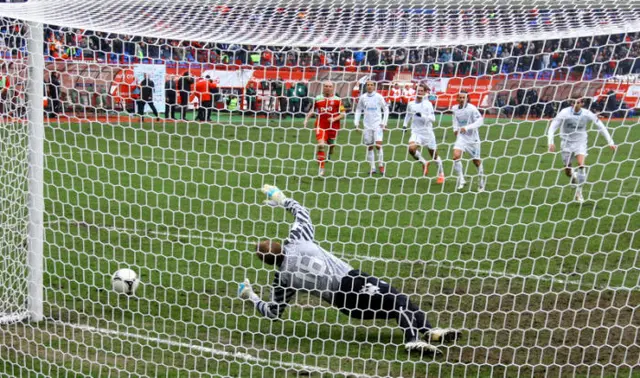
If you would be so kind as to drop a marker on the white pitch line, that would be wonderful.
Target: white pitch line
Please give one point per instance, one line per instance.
(271, 165)
(545, 278)
(205, 163)
(371, 258)
(215, 352)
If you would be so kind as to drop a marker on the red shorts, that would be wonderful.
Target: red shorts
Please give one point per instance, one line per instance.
(326, 135)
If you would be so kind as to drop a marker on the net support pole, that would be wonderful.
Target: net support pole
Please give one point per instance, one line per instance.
(35, 227)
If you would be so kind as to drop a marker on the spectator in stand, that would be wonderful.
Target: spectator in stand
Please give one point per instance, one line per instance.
(5, 85)
(550, 109)
(53, 92)
(302, 92)
(278, 90)
(146, 98)
(200, 90)
(293, 100)
(408, 95)
(611, 104)
(215, 96)
(170, 98)
(204, 88)
(396, 98)
(250, 96)
(531, 99)
(184, 89)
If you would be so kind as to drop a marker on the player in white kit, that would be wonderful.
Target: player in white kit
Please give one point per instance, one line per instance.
(466, 121)
(376, 116)
(573, 122)
(421, 115)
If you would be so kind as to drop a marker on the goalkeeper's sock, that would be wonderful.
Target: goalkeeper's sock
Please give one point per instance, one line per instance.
(371, 159)
(418, 156)
(457, 167)
(380, 157)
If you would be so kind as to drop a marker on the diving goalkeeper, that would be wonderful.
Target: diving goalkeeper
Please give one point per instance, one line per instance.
(302, 265)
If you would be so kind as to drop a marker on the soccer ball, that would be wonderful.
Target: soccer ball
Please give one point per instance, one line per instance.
(125, 281)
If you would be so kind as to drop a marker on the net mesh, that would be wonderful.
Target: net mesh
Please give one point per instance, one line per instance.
(328, 23)
(537, 283)
(13, 191)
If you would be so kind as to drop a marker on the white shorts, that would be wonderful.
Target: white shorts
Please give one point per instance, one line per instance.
(424, 140)
(571, 149)
(473, 149)
(372, 136)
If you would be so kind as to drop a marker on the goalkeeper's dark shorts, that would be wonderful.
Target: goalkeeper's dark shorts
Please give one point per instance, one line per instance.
(363, 296)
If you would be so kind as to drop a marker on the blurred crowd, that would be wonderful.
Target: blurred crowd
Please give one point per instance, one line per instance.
(590, 57)
(584, 58)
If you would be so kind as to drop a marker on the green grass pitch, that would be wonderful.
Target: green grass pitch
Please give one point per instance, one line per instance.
(540, 284)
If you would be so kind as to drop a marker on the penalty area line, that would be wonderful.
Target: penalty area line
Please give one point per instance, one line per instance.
(351, 256)
(203, 349)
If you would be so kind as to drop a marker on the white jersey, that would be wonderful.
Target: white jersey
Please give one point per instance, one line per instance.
(421, 115)
(573, 127)
(470, 118)
(375, 108)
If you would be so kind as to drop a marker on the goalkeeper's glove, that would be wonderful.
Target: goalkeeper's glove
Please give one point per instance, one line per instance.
(275, 197)
(245, 290)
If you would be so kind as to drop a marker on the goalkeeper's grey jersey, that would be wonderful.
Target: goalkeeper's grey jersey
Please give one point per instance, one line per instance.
(306, 265)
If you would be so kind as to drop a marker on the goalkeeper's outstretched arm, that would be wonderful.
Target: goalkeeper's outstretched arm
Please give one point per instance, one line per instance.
(302, 229)
(281, 295)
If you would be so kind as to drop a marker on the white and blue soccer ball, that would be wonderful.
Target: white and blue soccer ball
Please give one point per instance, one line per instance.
(125, 281)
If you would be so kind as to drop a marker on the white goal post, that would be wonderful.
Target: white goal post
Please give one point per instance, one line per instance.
(139, 134)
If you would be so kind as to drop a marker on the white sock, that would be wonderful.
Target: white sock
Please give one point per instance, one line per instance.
(371, 159)
(582, 175)
(419, 157)
(380, 157)
(481, 174)
(457, 167)
(440, 169)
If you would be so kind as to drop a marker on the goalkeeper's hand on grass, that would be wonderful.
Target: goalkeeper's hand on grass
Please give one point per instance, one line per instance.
(245, 290)
(275, 197)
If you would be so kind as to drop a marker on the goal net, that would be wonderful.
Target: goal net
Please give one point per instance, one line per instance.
(138, 134)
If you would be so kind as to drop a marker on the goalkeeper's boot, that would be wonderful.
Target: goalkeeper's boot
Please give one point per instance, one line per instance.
(461, 183)
(245, 290)
(321, 172)
(440, 179)
(579, 197)
(442, 335)
(381, 169)
(421, 346)
(425, 168)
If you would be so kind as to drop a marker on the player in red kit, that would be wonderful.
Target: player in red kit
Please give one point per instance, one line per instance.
(329, 111)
